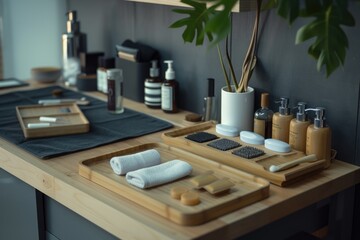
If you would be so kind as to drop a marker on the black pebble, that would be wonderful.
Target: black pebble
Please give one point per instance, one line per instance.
(201, 137)
(248, 152)
(224, 144)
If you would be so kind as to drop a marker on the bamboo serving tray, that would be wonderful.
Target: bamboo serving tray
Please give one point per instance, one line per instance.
(247, 189)
(258, 166)
(70, 120)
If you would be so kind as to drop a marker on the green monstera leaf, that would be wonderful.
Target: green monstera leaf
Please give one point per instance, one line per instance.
(203, 20)
(331, 42)
(195, 23)
(326, 18)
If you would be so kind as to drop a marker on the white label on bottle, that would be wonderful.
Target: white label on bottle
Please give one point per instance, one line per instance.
(150, 91)
(150, 99)
(153, 85)
(102, 81)
(166, 98)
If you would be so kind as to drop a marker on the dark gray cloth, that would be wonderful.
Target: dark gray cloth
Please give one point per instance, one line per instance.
(104, 127)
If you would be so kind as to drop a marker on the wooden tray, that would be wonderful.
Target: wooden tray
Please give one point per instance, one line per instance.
(258, 166)
(247, 190)
(70, 120)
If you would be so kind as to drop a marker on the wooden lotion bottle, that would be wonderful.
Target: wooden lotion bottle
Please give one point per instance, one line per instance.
(281, 121)
(169, 90)
(318, 137)
(298, 128)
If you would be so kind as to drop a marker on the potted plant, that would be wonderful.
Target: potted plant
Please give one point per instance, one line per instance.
(236, 91)
(211, 19)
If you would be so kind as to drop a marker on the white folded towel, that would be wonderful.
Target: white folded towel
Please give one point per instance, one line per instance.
(123, 164)
(160, 174)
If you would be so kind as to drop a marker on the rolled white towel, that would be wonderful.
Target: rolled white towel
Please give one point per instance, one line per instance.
(160, 174)
(123, 164)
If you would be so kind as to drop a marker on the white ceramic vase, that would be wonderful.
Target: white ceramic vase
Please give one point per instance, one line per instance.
(237, 109)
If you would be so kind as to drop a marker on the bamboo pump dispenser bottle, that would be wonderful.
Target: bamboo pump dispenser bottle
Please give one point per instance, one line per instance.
(168, 90)
(298, 128)
(318, 137)
(281, 121)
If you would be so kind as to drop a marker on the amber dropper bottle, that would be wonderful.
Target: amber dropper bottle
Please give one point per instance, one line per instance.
(263, 118)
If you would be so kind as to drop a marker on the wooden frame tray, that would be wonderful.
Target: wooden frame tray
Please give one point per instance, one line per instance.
(247, 189)
(70, 118)
(258, 166)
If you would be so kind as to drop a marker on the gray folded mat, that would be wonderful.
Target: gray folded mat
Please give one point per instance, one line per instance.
(104, 127)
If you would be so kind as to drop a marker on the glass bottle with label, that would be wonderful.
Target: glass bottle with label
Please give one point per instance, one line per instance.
(152, 87)
(168, 90)
(263, 118)
(115, 90)
(104, 64)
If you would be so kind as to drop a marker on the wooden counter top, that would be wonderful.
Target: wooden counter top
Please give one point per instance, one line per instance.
(58, 178)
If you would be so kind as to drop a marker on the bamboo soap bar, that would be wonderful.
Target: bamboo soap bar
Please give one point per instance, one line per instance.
(190, 198)
(176, 192)
(203, 179)
(219, 186)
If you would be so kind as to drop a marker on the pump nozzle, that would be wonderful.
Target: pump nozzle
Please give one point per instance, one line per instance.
(319, 120)
(170, 73)
(301, 115)
(284, 106)
(154, 70)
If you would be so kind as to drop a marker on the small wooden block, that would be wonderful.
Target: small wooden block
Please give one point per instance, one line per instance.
(203, 179)
(219, 186)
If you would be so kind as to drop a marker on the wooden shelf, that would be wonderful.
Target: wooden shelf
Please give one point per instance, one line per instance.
(241, 6)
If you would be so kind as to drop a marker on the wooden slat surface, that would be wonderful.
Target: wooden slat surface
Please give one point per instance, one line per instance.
(247, 189)
(59, 179)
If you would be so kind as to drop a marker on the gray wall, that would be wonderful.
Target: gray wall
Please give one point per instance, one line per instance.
(31, 35)
(284, 69)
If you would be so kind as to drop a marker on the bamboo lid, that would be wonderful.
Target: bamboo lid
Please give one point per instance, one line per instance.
(264, 100)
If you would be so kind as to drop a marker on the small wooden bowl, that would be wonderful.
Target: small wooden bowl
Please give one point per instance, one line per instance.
(46, 74)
